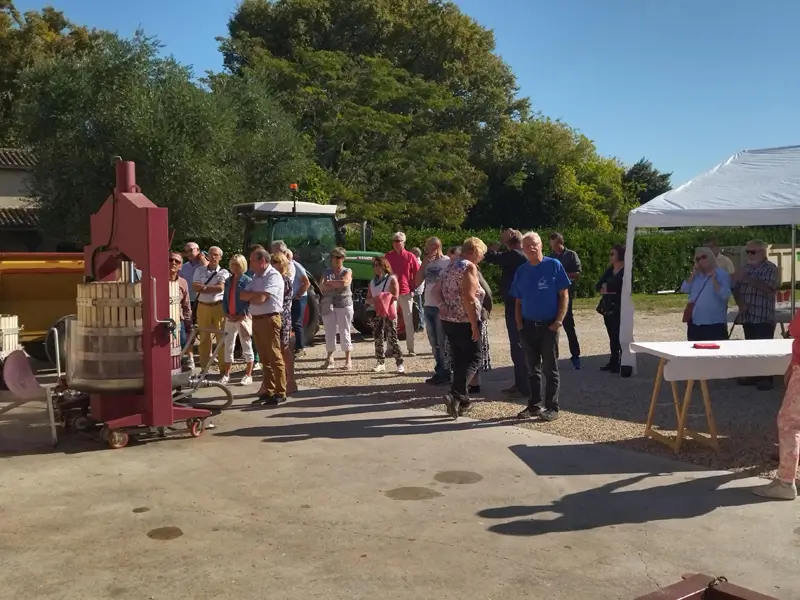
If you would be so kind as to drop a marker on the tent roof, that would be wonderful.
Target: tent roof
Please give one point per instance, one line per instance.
(753, 187)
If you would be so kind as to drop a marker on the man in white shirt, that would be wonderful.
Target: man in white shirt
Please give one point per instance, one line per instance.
(265, 295)
(433, 265)
(209, 285)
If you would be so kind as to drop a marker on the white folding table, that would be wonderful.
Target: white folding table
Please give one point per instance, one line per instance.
(680, 361)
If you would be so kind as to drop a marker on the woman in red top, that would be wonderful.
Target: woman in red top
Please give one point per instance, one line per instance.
(784, 487)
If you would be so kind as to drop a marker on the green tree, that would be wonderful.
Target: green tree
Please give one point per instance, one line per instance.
(25, 40)
(198, 150)
(648, 181)
(431, 39)
(394, 94)
(543, 173)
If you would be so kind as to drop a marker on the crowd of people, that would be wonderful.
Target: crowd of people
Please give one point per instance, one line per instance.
(261, 302)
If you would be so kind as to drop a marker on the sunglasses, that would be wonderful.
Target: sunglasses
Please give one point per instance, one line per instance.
(752, 252)
(337, 256)
(175, 261)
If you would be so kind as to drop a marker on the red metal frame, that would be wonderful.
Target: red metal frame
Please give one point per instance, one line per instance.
(129, 226)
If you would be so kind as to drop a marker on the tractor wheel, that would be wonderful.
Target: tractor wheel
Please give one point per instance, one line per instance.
(361, 321)
(311, 319)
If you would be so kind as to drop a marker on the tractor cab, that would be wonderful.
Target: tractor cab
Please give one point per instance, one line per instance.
(312, 231)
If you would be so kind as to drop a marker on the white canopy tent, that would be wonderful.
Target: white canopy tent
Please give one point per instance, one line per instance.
(752, 188)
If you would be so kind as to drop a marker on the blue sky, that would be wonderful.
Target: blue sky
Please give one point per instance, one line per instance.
(685, 83)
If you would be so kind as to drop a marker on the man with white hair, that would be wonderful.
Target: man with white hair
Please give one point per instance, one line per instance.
(541, 288)
(755, 285)
(209, 285)
(405, 267)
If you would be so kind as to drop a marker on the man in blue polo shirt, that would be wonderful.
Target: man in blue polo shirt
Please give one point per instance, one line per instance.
(541, 287)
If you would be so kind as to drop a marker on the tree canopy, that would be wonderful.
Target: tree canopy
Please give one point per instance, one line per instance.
(649, 182)
(25, 40)
(416, 119)
(198, 150)
(399, 110)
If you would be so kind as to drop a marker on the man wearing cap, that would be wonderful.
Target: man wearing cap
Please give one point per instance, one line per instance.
(404, 266)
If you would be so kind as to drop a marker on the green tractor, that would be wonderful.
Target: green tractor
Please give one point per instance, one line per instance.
(312, 231)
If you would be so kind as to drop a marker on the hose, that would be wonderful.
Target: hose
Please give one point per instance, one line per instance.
(211, 407)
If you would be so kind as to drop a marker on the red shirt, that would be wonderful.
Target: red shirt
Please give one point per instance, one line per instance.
(404, 267)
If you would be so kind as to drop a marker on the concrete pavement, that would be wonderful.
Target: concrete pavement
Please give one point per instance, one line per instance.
(342, 497)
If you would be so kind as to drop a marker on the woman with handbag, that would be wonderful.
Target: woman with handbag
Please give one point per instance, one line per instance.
(237, 320)
(382, 303)
(336, 307)
(709, 289)
(610, 288)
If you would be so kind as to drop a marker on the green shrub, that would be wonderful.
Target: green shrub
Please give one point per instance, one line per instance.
(662, 259)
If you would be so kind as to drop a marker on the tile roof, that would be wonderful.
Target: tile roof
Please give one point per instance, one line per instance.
(19, 218)
(14, 158)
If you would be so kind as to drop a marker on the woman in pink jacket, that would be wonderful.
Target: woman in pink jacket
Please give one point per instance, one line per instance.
(382, 301)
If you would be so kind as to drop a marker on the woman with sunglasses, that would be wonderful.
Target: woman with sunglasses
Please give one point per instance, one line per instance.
(610, 288)
(336, 307)
(709, 288)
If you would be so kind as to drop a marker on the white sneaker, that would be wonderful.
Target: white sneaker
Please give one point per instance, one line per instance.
(379, 368)
(224, 380)
(777, 490)
(401, 369)
(246, 380)
(329, 364)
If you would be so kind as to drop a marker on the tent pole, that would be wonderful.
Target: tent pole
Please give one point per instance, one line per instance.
(794, 265)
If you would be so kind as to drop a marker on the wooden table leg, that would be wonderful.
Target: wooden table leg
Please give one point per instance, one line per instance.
(681, 406)
(654, 398)
(684, 412)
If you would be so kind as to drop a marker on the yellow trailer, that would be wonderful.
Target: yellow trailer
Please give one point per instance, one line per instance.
(39, 288)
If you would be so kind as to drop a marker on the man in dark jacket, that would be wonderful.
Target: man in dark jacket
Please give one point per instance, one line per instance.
(572, 265)
(509, 261)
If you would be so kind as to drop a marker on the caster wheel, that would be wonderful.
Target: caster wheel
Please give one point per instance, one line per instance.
(104, 434)
(80, 423)
(196, 427)
(117, 439)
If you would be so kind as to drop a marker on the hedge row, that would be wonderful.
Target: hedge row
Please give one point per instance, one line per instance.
(661, 259)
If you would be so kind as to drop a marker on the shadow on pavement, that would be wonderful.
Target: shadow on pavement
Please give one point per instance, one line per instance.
(614, 503)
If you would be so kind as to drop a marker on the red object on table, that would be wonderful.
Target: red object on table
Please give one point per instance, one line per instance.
(706, 346)
(128, 226)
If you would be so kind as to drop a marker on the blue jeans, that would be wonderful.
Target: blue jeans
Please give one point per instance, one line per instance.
(433, 325)
(298, 312)
(521, 381)
(421, 310)
(183, 335)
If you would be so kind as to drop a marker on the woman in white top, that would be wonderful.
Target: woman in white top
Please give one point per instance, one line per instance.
(384, 329)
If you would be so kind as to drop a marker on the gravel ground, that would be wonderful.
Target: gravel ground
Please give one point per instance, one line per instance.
(596, 406)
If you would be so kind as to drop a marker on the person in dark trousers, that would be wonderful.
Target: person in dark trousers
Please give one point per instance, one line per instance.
(572, 265)
(509, 261)
(755, 285)
(610, 288)
(541, 287)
